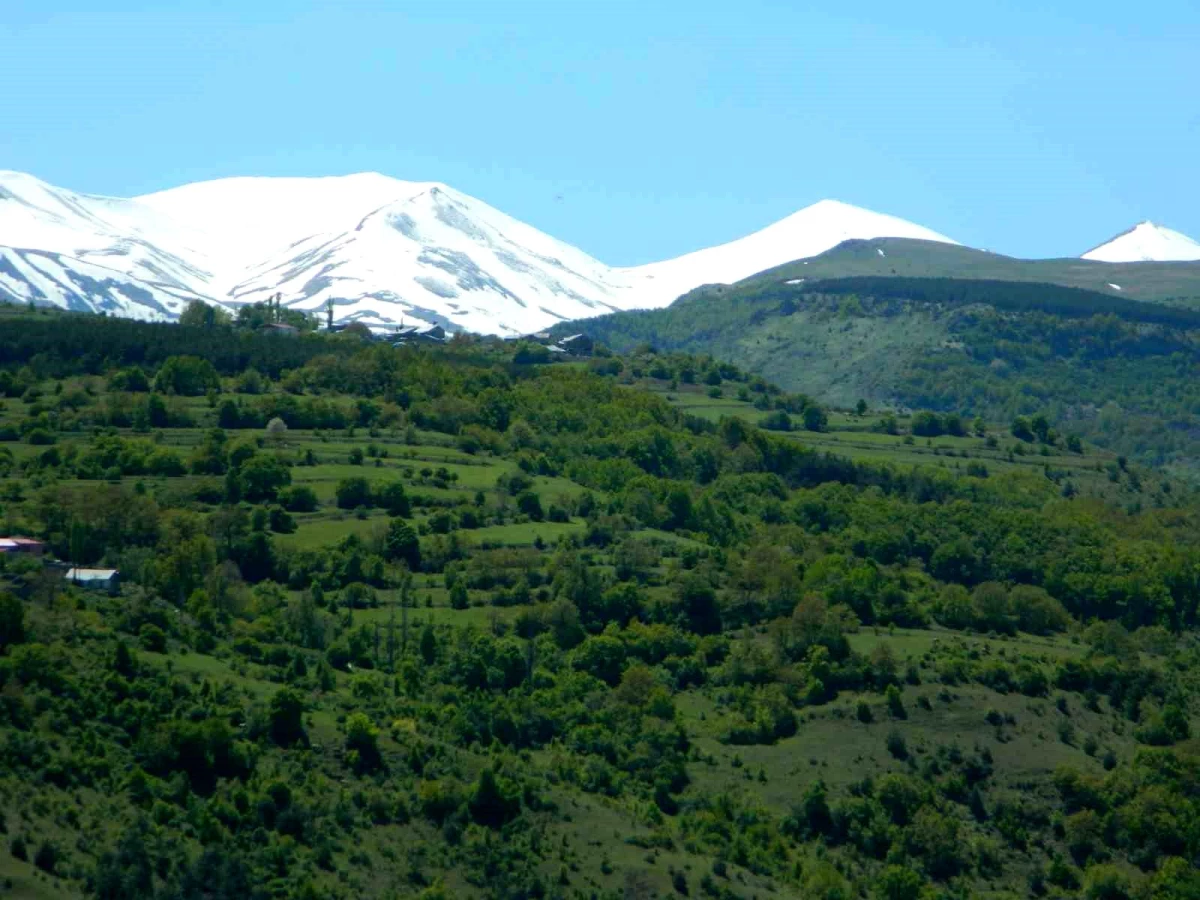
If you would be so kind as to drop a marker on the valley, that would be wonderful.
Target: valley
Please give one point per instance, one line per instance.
(427, 621)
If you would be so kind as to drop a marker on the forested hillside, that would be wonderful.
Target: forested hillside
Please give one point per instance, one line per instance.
(1120, 372)
(432, 622)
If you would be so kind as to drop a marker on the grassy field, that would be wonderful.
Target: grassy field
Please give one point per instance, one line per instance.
(1159, 282)
(426, 466)
(851, 436)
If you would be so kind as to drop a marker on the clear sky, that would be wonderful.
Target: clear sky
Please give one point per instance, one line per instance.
(635, 129)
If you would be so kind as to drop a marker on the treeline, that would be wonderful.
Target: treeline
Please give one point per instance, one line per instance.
(62, 344)
(1018, 296)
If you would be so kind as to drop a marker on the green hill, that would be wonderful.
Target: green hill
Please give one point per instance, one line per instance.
(1173, 283)
(431, 622)
(1117, 371)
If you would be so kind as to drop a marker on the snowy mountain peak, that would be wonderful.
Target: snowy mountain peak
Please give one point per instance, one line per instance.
(381, 250)
(808, 232)
(1147, 242)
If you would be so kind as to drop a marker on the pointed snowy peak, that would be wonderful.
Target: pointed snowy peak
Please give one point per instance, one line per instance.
(808, 232)
(1147, 242)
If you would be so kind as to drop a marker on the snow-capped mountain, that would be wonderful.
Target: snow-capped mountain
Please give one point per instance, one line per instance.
(1147, 242)
(809, 232)
(383, 251)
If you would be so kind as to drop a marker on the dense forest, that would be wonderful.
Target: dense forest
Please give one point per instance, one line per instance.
(1122, 373)
(438, 621)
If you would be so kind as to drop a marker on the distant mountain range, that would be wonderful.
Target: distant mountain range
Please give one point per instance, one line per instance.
(384, 251)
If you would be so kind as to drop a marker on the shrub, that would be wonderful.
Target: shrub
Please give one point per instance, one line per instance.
(46, 857)
(262, 476)
(402, 544)
(494, 800)
(776, 421)
(188, 376)
(151, 638)
(1106, 882)
(1036, 611)
(530, 505)
(12, 620)
(353, 492)
(898, 883)
(362, 744)
(298, 498)
(895, 703)
(40, 437)
(286, 718)
(393, 498)
(280, 521)
(896, 745)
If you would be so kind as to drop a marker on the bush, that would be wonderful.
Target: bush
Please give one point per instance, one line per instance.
(679, 880)
(530, 354)
(280, 521)
(991, 608)
(46, 858)
(262, 476)
(494, 800)
(896, 745)
(402, 544)
(393, 498)
(40, 437)
(298, 498)
(815, 419)
(12, 621)
(896, 703)
(362, 744)
(188, 376)
(1036, 611)
(1106, 882)
(151, 638)
(353, 492)
(776, 421)
(898, 883)
(530, 505)
(287, 718)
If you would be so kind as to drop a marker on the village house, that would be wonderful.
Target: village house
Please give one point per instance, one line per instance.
(24, 545)
(412, 334)
(94, 579)
(577, 344)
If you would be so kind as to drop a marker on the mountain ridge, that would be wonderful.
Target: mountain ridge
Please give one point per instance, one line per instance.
(380, 249)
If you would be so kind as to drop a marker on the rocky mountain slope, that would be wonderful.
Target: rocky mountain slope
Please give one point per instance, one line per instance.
(381, 250)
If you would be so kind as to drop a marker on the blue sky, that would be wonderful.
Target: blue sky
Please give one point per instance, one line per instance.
(635, 130)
